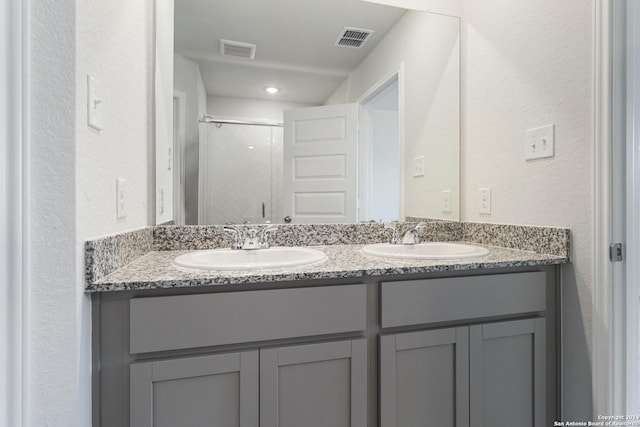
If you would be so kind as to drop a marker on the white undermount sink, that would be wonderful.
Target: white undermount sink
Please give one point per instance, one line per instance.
(260, 259)
(428, 250)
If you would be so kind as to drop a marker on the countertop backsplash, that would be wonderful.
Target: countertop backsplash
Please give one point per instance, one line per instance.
(105, 255)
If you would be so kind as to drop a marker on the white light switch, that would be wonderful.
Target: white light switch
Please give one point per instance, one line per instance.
(539, 142)
(418, 166)
(484, 201)
(94, 104)
(446, 201)
(121, 199)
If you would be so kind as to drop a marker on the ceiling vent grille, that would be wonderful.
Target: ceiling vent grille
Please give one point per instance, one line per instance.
(237, 49)
(353, 37)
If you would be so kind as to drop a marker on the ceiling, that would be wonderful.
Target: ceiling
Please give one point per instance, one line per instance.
(295, 44)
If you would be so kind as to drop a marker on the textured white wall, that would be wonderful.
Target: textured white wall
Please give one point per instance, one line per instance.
(428, 46)
(527, 64)
(58, 342)
(72, 181)
(187, 79)
(114, 44)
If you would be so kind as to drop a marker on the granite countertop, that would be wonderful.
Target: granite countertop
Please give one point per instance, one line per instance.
(154, 270)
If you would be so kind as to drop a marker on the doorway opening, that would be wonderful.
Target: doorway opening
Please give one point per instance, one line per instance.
(380, 153)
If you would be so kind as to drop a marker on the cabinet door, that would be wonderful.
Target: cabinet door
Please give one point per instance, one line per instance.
(424, 379)
(219, 390)
(317, 385)
(507, 374)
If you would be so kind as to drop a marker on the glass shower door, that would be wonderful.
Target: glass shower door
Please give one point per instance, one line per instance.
(238, 171)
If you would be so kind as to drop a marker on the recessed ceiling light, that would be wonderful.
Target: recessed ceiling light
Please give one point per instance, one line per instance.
(271, 89)
(251, 147)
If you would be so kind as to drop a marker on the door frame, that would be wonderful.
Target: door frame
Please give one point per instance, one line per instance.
(398, 74)
(632, 201)
(616, 184)
(13, 208)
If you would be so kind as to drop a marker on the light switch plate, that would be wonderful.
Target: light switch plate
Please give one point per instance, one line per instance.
(121, 198)
(446, 201)
(539, 142)
(484, 198)
(418, 166)
(94, 104)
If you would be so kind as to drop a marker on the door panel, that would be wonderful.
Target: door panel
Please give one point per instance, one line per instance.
(320, 164)
(424, 379)
(508, 373)
(317, 385)
(219, 390)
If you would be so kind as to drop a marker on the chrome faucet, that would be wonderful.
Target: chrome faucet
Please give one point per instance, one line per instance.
(411, 236)
(249, 239)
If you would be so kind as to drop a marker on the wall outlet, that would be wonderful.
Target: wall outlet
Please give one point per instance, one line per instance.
(446, 201)
(539, 142)
(418, 166)
(121, 199)
(484, 198)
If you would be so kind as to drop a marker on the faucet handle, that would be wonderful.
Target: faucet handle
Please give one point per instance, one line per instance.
(264, 239)
(395, 236)
(236, 236)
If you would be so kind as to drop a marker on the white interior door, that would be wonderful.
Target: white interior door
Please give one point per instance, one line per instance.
(320, 164)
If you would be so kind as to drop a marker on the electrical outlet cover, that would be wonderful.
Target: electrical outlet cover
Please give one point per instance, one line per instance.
(484, 199)
(121, 198)
(446, 201)
(418, 166)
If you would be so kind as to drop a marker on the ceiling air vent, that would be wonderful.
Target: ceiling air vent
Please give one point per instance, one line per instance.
(353, 37)
(237, 49)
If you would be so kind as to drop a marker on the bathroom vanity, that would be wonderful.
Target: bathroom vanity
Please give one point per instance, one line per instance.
(355, 341)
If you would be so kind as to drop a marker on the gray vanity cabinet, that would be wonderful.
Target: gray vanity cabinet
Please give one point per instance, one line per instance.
(462, 350)
(424, 378)
(213, 390)
(316, 385)
(276, 383)
(507, 373)
(476, 373)
(478, 376)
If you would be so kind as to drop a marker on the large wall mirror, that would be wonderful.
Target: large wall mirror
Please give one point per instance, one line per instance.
(305, 111)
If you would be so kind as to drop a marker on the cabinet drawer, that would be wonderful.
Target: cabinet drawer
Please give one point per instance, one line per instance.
(415, 302)
(188, 321)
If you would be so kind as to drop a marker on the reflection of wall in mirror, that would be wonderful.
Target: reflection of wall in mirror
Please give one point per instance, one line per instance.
(429, 47)
(164, 111)
(188, 80)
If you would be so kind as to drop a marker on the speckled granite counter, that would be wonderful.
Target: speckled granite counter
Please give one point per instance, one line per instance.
(154, 270)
